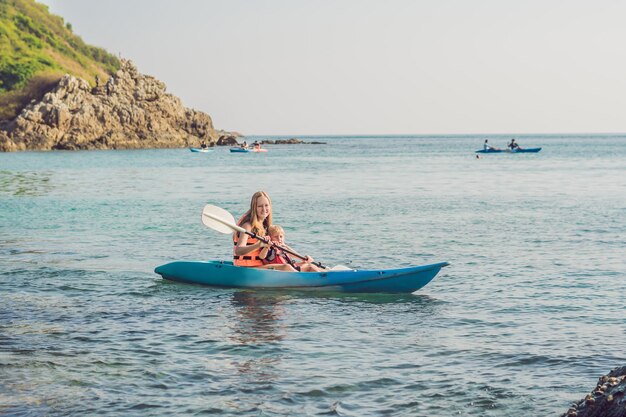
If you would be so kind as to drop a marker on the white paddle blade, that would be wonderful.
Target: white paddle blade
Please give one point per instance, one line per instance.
(218, 219)
(340, 268)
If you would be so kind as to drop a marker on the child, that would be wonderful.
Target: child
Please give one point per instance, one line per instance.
(274, 256)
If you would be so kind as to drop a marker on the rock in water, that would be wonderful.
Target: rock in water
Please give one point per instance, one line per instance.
(605, 400)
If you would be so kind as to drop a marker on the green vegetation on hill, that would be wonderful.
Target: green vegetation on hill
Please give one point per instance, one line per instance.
(36, 49)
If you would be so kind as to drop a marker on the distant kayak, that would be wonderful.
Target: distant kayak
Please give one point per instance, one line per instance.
(525, 150)
(201, 149)
(247, 150)
(225, 275)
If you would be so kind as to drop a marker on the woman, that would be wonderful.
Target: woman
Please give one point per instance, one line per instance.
(257, 220)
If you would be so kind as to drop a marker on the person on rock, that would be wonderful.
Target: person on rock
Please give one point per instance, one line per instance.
(109, 85)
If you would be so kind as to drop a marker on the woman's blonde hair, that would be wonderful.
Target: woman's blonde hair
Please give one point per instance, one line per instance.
(258, 227)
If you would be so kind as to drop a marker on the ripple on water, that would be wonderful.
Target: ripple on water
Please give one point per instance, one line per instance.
(25, 183)
(510, 328)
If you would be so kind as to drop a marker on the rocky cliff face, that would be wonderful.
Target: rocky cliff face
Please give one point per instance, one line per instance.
(132, 112)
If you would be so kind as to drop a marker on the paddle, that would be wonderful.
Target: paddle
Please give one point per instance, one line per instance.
(222, 221)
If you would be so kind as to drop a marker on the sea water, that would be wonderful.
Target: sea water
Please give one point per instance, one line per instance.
(528, 315)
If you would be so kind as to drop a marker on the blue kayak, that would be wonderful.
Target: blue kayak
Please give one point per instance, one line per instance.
(200, 150)
(525, 150)
(239, 150)
(244, 150)
(225, 275)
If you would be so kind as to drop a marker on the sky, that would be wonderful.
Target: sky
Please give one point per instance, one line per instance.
(342, 67)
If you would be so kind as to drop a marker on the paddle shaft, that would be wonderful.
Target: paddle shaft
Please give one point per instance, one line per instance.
(240, 229)
(284, 249)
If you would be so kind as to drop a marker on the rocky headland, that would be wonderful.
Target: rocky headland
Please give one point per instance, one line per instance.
(129, 111)
(605, 400)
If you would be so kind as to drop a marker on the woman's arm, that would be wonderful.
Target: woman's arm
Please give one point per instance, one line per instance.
(264, 252)
(242, 248)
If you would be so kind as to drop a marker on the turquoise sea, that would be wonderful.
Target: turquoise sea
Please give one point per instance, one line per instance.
(528, 315)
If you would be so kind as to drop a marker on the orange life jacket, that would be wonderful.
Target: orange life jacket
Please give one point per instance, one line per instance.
(250, 258)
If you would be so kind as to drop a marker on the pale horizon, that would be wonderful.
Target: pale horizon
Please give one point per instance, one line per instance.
(294, 68)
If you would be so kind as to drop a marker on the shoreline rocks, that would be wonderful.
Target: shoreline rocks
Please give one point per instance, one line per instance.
(231, 140)
(131, 111)
(227, 140)
(607, 399)
(292, 141)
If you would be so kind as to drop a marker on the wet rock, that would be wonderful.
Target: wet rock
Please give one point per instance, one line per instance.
(607, 399)
(227, 140)
(292, 141)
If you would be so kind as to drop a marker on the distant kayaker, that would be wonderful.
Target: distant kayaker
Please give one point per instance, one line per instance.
(244, 145)
(273, 256)
(257, 220)
(257, 145)
(488, 147)
(203, 145)
(513, 145)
